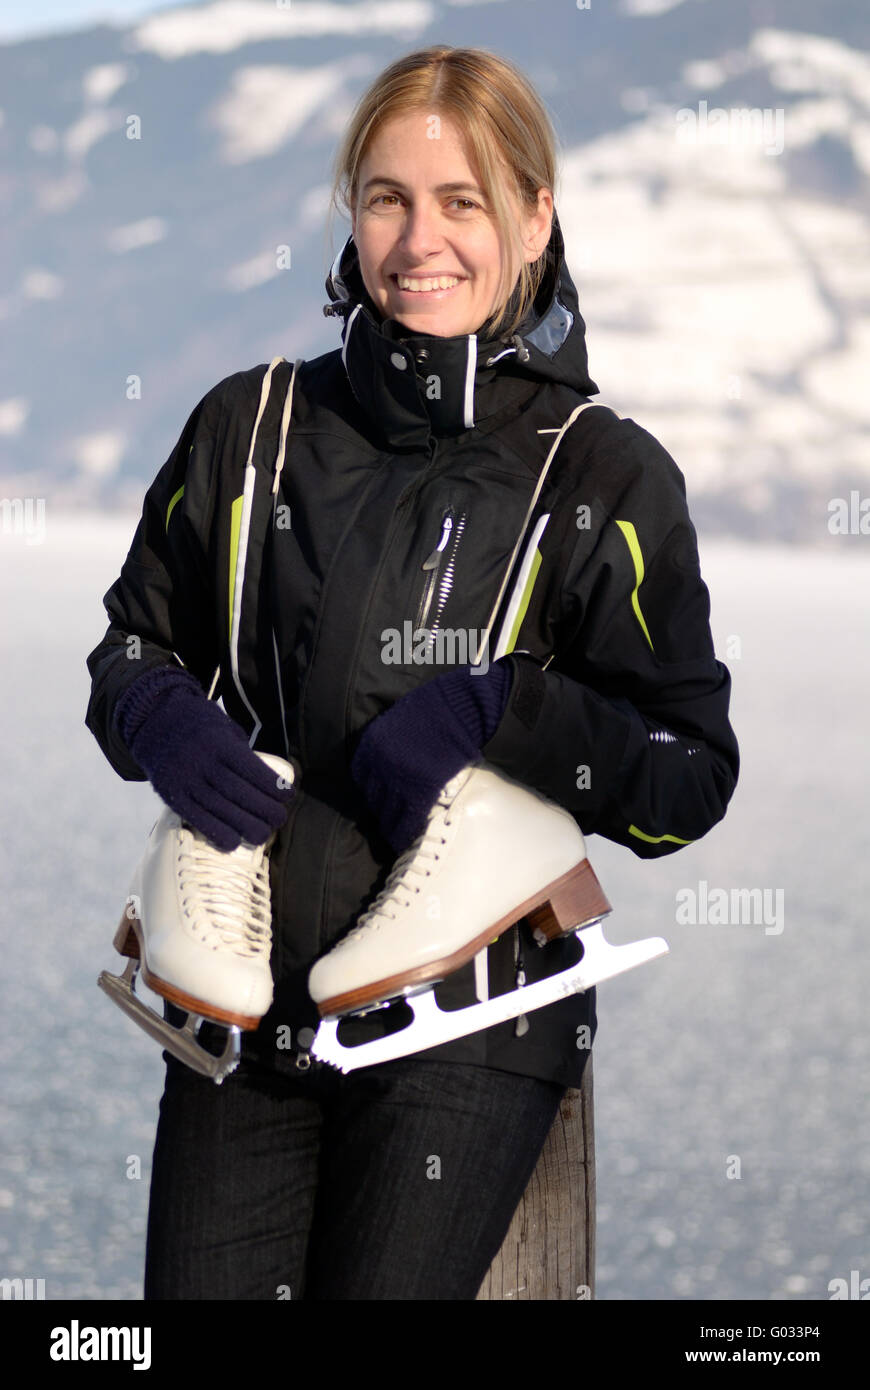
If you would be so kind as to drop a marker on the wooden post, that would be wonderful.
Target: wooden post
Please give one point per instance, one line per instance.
(549, 1250)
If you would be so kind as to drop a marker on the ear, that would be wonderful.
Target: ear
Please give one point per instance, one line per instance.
(539, 226)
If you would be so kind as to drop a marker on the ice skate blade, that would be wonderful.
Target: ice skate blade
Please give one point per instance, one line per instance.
(571, 903)
(181, 1042)
(433, 1025)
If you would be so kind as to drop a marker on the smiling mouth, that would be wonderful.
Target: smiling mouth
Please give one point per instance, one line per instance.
(436, 285)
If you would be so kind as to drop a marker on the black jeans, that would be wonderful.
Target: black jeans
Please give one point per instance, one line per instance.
(397, 1181)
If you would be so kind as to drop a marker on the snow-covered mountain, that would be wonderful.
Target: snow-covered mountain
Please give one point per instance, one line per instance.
(714, 196)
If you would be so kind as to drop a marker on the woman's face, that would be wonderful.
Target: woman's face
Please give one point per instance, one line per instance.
(408, 222)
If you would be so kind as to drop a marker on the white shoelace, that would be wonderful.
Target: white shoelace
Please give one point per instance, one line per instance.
(398, 891)
(230, 889)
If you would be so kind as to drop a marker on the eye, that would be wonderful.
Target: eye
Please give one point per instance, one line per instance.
(468, 201)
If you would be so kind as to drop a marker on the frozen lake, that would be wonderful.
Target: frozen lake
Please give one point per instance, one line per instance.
(745, 1051)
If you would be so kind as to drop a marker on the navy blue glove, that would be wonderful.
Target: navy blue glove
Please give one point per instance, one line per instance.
(407, 754)
(198, 759)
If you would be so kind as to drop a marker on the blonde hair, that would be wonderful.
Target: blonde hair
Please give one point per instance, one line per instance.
(510, 142)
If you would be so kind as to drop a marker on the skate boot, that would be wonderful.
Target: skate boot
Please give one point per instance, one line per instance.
(493, 851)
(198, 924)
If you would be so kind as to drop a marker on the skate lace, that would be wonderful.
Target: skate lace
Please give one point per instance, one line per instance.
(399, 889)
(231, 891)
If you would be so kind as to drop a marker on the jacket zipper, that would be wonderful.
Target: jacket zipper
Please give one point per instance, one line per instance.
(431, 569)
(440, 569)
(448, 576)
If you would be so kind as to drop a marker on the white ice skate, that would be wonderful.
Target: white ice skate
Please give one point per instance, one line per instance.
(198, 923)
(493, 851)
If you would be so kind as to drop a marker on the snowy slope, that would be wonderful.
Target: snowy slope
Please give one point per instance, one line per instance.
(722, 260)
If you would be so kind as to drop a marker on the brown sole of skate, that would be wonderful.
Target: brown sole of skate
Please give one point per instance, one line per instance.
(127, 943)
(573, 901)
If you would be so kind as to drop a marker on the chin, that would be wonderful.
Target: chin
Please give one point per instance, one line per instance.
(432, 325)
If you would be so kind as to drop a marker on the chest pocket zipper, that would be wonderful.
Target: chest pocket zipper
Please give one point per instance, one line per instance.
(440, 569)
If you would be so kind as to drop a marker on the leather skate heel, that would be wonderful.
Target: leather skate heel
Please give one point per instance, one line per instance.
(573, 901)
(125, 941)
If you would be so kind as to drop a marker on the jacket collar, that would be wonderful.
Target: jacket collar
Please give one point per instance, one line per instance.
(414, 386)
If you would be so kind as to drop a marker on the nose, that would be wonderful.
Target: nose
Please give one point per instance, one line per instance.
(421, 233)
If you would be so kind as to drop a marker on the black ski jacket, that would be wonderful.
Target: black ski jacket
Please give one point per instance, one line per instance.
(282, 556)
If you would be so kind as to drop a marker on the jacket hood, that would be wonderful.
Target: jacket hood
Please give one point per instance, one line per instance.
(414, 385)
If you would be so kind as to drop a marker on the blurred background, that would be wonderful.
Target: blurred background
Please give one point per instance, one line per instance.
(164, 176)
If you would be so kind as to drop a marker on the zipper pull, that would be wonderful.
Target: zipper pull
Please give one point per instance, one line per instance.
(446, 528)
(431, 568)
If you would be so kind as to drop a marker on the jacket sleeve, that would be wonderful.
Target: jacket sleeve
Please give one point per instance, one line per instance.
(160, 609)
(627, 727)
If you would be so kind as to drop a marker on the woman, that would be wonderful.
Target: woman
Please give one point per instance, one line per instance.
(417, 446)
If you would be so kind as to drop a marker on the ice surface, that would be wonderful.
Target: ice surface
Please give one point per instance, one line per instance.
(742, 1043)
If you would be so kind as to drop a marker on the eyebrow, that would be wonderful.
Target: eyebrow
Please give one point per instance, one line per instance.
(441, 188)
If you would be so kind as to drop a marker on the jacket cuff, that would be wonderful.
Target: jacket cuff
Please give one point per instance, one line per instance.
(478, 701)
(526, 699)
(139, 699)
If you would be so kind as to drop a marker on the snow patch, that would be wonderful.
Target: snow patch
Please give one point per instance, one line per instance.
(267, 106)
(249, 274)
(315, 205)
(99, 455)
(86, 131)
(229, 24)
(56, 195)
(808, 62)
(731, 323)
(41, 284)
(13, 413)
(649, 7)
(145, 232)
(705, 74)
(101, 82)
(839, 380)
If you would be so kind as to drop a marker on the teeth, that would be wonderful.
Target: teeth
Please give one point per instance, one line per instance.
(436, 282)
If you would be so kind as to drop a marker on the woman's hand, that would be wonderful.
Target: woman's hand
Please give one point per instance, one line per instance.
(198, 759)
(406, 755)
